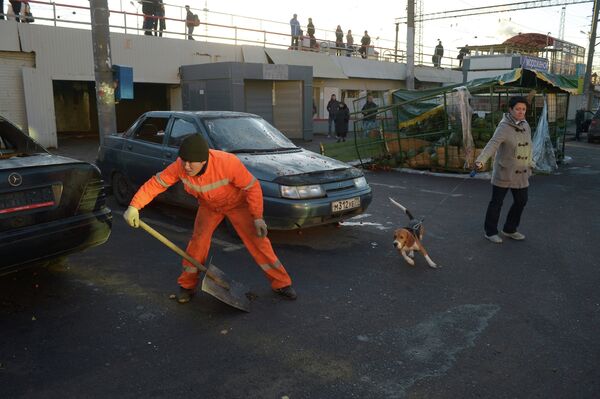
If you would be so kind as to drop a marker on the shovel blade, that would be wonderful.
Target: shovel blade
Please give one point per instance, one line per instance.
(234, 296)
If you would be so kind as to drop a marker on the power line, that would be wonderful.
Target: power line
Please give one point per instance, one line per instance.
(465, 12)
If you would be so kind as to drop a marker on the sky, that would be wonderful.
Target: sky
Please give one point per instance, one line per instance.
(377, 17)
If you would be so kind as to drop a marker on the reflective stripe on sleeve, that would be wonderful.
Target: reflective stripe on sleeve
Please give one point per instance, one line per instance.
(161, 181)
(206, 187)
(190, 269)
(250, 184)
(267, 266)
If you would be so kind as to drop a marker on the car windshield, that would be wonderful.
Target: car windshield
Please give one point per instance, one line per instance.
(246, 134)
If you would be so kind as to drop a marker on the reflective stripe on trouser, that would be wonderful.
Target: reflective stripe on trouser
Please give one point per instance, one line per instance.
(260, 248)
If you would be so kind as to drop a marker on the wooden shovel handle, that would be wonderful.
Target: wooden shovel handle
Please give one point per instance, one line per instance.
(182, 253)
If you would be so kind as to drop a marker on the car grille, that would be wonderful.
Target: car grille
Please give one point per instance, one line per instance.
(337, 186)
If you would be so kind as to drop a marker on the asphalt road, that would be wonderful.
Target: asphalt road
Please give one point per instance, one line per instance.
(517, 320)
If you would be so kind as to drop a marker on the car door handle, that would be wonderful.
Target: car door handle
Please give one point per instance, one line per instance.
(168, 155)
(129, 146)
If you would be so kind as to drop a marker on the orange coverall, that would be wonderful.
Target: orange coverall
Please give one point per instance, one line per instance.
(226, 188)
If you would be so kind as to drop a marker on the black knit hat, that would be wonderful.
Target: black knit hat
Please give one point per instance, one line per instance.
(194, 149)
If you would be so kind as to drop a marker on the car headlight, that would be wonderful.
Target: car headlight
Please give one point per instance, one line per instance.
(298, 192)
(360, 182)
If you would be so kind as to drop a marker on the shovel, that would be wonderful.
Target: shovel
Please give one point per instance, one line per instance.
(215, 282)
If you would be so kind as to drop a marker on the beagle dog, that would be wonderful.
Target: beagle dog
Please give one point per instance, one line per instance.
(408, 239)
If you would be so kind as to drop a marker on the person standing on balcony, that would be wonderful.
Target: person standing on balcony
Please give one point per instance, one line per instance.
(190, 22)
(332, 107)
(369, 111)
(339, 40)
(364, 44)
(349, 43)
(160, 19)
(310, 29)
(16, 6)
(438, 54)
(148, 9)
(295, 32)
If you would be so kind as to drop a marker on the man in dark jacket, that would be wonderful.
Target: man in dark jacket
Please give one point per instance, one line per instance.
(332, 107)
(438, 54)
(370, 115)
(365, 42)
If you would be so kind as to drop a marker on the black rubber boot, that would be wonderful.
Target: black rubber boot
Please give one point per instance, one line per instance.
(287, 292)
(185, 295)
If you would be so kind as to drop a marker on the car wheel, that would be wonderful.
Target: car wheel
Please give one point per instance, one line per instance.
(122, 189)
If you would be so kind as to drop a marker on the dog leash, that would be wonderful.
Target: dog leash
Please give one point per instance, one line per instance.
(470, 175)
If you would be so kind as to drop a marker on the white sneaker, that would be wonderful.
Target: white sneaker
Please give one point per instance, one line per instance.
(495, 238)
(515, 236)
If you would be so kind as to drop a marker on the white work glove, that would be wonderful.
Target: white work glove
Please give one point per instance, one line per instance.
(132, 216)
(261, 227)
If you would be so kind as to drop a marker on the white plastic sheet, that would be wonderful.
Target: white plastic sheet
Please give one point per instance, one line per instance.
(460, 111)
(543, 152)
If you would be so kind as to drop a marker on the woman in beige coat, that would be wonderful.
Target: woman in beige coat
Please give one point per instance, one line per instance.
(511, 143)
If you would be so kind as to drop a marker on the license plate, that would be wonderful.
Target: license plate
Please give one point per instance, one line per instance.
(343, 205)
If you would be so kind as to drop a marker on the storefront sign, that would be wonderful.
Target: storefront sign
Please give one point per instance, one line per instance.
(529, 62)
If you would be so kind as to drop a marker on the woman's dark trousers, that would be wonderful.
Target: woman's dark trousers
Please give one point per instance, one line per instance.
(495, 206)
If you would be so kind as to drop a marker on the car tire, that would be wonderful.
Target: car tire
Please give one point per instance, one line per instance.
(121, 189)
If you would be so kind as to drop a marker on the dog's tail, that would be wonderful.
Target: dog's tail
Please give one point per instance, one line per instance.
(410, 216)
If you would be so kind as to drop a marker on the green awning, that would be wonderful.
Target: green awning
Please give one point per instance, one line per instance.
(417, 102)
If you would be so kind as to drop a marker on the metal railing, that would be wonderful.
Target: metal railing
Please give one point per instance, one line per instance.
(127, 17)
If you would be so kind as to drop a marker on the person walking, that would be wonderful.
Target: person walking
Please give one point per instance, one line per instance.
(579, 121)
(369, 111)
(365, 41)
(339, 40)
(295, 32)
(513, 164)
(349, 43)
(332, 107)
(190, 22)
(342, 117)
(224, 188)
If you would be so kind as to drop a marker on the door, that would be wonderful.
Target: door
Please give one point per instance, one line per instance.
(259, 98)
(144, 152)
(288, 108)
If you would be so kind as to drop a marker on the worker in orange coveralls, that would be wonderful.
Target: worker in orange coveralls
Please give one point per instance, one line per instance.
(224, 188)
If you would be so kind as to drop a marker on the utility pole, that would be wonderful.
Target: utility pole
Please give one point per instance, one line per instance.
(410, 45)
(396, 46)
(105, 89)
(587, 80)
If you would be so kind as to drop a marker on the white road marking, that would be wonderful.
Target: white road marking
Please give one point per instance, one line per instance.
(387, 185)
(379, 226)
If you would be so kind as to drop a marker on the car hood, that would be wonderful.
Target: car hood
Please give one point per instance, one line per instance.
(297, 167)
(34, 161)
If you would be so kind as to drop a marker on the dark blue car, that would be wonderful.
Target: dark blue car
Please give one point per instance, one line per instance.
(300, 188)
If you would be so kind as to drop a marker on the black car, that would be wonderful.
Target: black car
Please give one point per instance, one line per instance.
(50, 206)
(300, 188)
